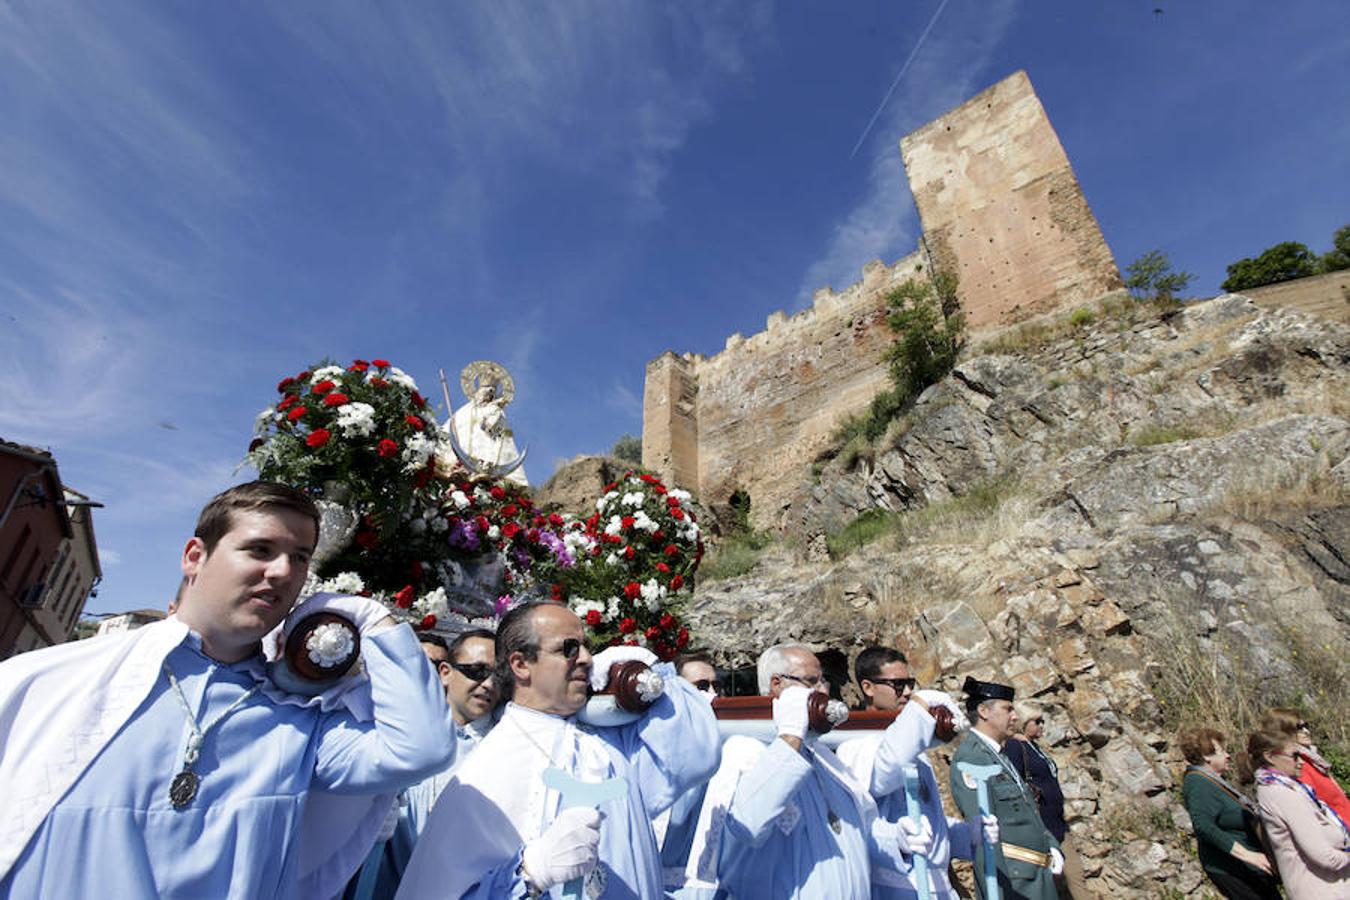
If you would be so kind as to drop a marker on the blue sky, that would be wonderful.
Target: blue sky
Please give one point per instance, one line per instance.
(196, 199)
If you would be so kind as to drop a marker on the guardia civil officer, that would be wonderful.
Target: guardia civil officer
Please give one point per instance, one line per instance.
(1028, 856)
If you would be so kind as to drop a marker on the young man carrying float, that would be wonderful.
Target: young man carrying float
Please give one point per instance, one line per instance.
(164, 763)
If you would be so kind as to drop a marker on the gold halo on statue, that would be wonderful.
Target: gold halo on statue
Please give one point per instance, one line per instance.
(484, 371)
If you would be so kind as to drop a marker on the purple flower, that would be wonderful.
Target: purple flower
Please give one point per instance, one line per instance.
(558, 548)
(502, 605)
(463, 535)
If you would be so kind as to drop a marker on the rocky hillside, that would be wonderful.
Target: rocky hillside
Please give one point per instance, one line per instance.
(1139, 518)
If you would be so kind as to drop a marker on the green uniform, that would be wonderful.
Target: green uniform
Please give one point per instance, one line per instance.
(1019, 824)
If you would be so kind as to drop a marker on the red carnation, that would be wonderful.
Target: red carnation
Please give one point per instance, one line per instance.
(595, 551)
(323, 387)
(653, 633)
(662, 567)
(665, 651)
(318, 437)
(510, 530)
(386, 448)
(367, 540)
(336, 399)
(627, 522)
(532, 535)
(482, 523)
(631, 590)
(509, 510)
(404, 598)
(672, 501)
(286, 401)
(593, 521)
(677, 512)
(658, 536)
(628, 626)
(423, 476)
(555, 519)
(677, 582)
(593, 618)
(428, 621)
(296, 413)
(555, 592)
(650, 479)
(415, 422)
(497, 493)
(672, 550)
(659, 488)
(359, 365)
(303, 375)
(418, 400)
(285, 383)
(378, 382)
(382, 363)
(682, 638)
(667, 620)
(628, 552)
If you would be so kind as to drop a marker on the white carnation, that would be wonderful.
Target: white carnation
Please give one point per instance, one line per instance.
(418, 526)
(493, 533)
(635, 498)
(679, 495)
(460, 499)
(356, 419)
(400, 377)
(416, 451)
(327, 373)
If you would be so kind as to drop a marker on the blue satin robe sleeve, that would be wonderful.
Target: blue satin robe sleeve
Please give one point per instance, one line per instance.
(501, 883)
(675, 746)
(413, 735)
(764, 791)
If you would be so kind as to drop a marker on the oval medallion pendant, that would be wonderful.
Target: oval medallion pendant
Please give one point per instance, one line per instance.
(183, 788)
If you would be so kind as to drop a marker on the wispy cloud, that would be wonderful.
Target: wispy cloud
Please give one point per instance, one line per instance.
(881, 225)
(624, 401)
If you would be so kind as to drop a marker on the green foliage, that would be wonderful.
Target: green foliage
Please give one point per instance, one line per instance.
(628, 448)
(739, 551)
(958, 514)
(870, 525)
(1150, 277)
(1082, 317)
(930, 337)
(1282, 262)
(1339, 256)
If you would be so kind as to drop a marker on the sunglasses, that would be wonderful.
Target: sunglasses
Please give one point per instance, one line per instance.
(704, 684)
(1304, 726)
(570, 648)
(899, 685)
(475, 672)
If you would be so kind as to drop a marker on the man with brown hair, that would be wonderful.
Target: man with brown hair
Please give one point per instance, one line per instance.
(170, 752)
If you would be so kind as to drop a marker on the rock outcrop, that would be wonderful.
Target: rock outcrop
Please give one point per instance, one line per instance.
(1141, 522)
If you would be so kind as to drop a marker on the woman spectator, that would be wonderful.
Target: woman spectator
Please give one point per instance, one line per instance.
(1310, 842)
(1316, 772)
(1224, 821)
(1040, 772)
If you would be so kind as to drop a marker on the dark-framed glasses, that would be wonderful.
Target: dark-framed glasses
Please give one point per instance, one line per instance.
(899, 685)
(475, 672)
(570, 648)
(708, 684)
(1304, 726)
(810, 681)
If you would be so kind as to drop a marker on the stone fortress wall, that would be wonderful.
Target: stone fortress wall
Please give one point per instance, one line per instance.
(999, 205)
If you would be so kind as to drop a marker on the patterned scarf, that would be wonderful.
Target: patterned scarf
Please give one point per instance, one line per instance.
(1268, 776)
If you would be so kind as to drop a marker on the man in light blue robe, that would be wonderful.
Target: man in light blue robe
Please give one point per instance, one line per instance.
(878, 761)
(499, 832)
(93, 733)
(681, 824)
(789, 820)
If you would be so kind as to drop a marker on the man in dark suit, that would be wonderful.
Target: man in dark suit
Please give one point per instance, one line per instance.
(1028, 856)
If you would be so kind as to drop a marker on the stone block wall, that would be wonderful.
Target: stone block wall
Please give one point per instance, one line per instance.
(1000, 206)
(753, 417)
(1326, 295)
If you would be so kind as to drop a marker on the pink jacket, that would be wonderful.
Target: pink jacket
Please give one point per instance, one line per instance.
(1311, 848)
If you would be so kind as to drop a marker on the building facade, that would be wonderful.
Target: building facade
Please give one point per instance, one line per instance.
(48, 553)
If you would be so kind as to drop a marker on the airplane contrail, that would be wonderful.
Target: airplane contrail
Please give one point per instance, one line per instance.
(903, 69)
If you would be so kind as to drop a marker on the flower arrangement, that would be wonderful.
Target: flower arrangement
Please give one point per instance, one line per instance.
(443, 548)
(644, 547)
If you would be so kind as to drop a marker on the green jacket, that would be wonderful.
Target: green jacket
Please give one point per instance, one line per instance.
(1219, 821)
(1018, 823)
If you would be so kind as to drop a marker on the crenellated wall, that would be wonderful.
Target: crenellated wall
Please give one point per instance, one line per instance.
(1000, 207)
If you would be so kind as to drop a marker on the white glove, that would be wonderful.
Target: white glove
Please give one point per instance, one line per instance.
(368, 615)
(569, 848)
(938, 698)
(915, 838)
(608, 657)
(1056, 861)
(989, 825)
(790, 712)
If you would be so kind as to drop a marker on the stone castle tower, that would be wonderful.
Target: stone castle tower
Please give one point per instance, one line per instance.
(1000, 207)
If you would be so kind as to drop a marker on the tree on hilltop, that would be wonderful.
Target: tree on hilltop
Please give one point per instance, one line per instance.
(1150, 277)
(1283, 262)
(628, 448)
(1339, 256)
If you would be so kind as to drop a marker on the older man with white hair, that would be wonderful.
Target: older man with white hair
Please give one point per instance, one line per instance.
(788, 819)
